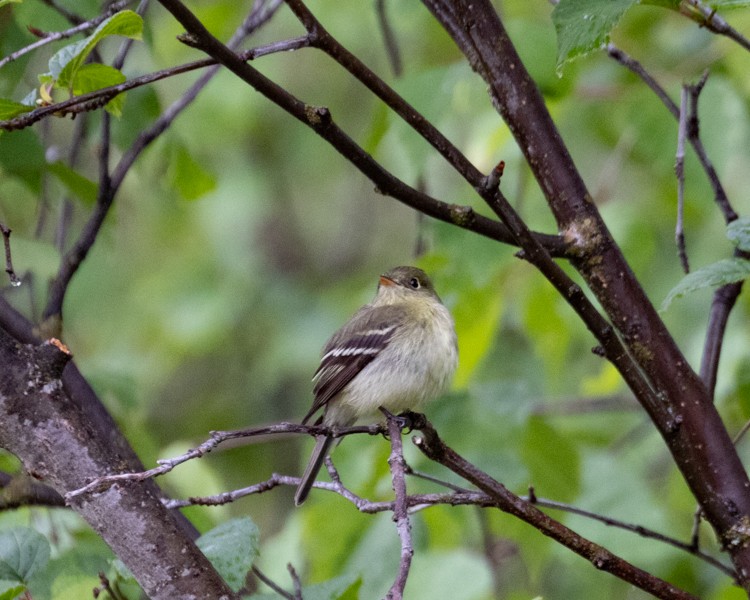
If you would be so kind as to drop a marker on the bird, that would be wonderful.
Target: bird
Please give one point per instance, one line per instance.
(393, 354)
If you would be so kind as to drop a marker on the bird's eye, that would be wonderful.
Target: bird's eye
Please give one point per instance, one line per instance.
(414, 282)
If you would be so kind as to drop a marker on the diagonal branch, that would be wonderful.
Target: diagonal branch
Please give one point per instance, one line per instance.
(726, 296)
(601, 558)
(320, 120)
(110, 184)
(688, 421)
(44, 427)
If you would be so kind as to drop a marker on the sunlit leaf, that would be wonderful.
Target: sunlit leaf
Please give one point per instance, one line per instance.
(477, 316)
(585, 25)
(716, 274)
(559, 477)
(64, 65)
(4, 2)
(93, 76)
(10, 591)
(189, 177)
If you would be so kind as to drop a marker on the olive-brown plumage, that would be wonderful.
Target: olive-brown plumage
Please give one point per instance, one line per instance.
(396, 352)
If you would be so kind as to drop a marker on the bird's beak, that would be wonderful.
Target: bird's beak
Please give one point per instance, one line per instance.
(386, 281)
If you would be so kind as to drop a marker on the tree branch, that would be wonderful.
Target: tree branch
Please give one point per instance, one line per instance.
(14, 281)
(45, 428)
(601, 558)
(320, 120)
(48, 38)
(679, 169)
(726, 296)
(400, 507)
(688, 421)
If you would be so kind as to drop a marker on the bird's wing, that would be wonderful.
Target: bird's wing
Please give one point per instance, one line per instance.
(351, 349)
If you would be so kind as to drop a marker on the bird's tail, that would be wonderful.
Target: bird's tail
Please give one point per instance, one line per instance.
(322, 446)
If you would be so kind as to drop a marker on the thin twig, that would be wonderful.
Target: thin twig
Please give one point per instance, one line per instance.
(708, 18)
(723, 301)
(400, 507)
(273, 585)
(109, 185)
(84, 27)
(14, 280)
(296, 582)
(639, 529)
(389, 38)
(75, 256)
(216, 439)
(97, 98)
(720, 195)
(458, 497)
(679, 169)
(726, 296)
(435, 449)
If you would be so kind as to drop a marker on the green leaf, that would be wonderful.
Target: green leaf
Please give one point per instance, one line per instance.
(10, 109)
(189, 177)
(4, 2)
(719, 273)
(93, 76)
(67, 61)
(558, 477)
(121, 579)
(9, 591)
(23, 552)
(722, 4)
(477, 316)
(341, 588)
(232, 547)
(345, 587)
(738, 232)
(75, 587)
(671, 4)
(585, 25)
(77, 184)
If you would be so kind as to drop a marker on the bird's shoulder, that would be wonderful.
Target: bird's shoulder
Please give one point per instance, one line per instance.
(370, 325)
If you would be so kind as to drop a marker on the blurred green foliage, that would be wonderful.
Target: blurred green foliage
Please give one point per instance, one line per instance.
(240, 241)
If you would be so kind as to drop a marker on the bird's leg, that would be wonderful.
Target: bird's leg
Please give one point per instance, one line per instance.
(407, 421)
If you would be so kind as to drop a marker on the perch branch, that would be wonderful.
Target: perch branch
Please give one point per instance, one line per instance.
(601, 558)
(400, 507)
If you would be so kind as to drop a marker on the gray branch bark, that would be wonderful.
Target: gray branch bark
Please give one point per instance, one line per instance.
(58, 446)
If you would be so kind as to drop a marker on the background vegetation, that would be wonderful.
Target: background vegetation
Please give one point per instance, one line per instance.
(239, 241)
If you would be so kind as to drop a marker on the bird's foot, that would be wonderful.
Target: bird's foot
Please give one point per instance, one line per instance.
(407, 421)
